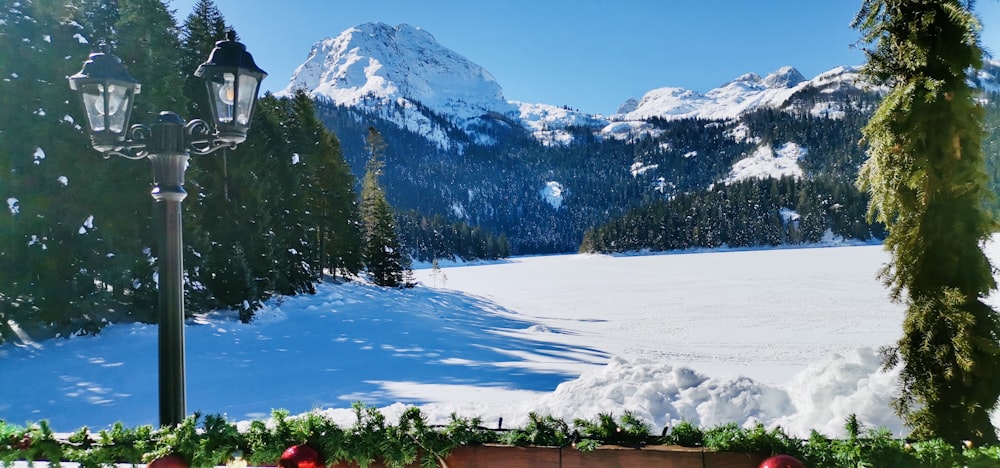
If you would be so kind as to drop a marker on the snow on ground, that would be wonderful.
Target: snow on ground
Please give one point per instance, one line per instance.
(766, 163)
(553, 193)
(781, 336)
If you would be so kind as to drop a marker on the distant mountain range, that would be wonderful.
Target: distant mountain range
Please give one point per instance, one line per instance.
(376, 63)
(400, 76)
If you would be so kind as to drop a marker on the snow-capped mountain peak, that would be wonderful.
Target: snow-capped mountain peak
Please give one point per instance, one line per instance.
(375, 63)
(785, 77)
(728, 101)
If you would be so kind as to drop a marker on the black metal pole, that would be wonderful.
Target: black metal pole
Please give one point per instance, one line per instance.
(169, 157)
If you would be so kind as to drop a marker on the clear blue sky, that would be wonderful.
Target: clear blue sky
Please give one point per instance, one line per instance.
(588, 54)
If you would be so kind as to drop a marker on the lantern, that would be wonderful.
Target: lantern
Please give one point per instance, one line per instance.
(232, 79)
(107, 91)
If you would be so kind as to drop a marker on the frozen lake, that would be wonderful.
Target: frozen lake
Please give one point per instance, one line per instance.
(765, 314)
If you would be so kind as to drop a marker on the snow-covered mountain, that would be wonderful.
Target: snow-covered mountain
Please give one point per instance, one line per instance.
(406, 76)
(376, 64)
(826, 95)
(725, 102)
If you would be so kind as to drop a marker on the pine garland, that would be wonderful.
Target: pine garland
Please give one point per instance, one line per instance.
(213, 441)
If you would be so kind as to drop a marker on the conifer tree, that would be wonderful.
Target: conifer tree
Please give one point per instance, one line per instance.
(243, 220)
(146, 40)
(290, 209)
(329, 194)
(54, 239)
(382, 253)
(213, 257)
(925, 174)
(201, 29)
(99, 18)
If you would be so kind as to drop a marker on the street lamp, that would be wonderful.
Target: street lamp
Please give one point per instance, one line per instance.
(107, 92)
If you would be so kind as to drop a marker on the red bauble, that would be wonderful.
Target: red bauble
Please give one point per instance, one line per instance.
(781, 461)
(300, 456)
(169, 461)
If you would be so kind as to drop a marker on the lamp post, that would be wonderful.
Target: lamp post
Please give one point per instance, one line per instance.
(108, 91)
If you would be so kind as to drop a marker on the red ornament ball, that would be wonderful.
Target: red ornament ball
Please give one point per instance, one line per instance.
(300, 456)
(169, 461)
(781, 461)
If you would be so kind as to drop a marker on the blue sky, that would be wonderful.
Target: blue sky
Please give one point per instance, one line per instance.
(591, 55)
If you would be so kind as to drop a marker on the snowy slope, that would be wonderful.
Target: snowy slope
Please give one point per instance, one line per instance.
(375, 64)
(767, 162)
(550, 124)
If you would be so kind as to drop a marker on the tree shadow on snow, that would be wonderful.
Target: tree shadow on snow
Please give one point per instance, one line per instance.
(354, 342)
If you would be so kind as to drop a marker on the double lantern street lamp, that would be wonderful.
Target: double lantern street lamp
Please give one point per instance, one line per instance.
(108, 91)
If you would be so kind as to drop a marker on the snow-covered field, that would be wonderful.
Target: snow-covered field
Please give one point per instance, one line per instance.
(783, 337)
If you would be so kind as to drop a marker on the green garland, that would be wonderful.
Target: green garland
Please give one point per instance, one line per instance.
(213, 441)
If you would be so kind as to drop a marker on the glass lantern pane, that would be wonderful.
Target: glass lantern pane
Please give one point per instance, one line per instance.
(116, 119)
(93, 102)
(224, 93)
(117, 107)
(246, 95)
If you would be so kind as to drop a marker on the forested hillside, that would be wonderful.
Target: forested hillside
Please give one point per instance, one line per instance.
(661, 190)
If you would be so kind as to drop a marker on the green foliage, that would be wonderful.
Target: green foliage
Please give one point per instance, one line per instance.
(541, 430)
(928, 185)
(467, 431)
(685, 434)
(367, 436)
(383, 253)
(266, 444)
(627, 431)
(55, 265)
(427, 238)
(861, 448)
(212, 441)
(35, 442)
(741, 214)
(756, 439)
(982, 457)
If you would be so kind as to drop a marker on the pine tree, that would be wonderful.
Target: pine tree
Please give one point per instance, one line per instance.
(925, 174)
(207, 209)
(99, 18)
(382, 252)
(201, 29)
(329, 191)
(55, 240)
